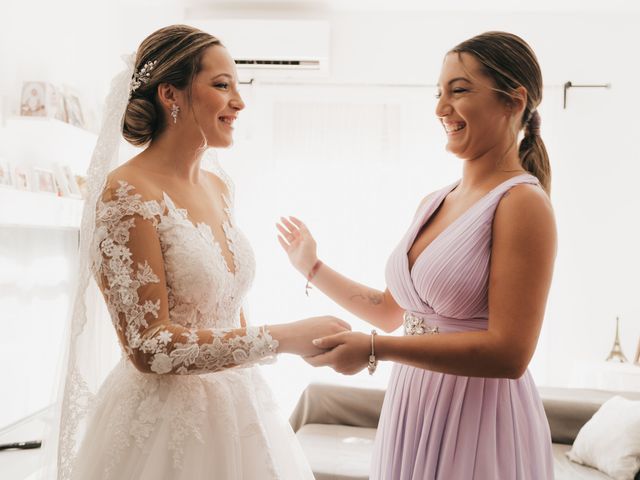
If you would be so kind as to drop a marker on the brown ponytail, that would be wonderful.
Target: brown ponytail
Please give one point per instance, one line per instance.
(533, 153)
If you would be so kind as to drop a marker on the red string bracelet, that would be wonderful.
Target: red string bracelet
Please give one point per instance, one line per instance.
(312, 274)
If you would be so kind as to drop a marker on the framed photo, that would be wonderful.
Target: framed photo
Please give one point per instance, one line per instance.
(81, 181)
(44, 181)
(58, 105)
(66, 181)
(74, 110)
(42, 99)
(21, 177)
(33, 101)
(5, 174)
(61, 181)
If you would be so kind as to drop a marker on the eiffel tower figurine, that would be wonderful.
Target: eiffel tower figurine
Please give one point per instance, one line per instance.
(616, 354)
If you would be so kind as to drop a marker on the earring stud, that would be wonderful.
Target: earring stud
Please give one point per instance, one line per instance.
(175, 109)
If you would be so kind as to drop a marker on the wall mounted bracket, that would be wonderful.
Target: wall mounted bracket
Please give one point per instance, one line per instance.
(569, 85)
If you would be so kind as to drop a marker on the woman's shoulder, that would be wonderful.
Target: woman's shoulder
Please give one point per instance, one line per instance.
(132, 179)
(219, 181)
(127, 195)
(525, 207)
(527, 193)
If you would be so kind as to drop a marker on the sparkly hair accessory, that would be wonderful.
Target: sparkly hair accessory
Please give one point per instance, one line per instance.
(142, 76)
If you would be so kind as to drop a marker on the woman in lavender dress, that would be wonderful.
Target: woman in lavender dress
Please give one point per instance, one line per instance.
(469, 280)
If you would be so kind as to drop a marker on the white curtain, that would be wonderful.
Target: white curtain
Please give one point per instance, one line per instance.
(36, 271)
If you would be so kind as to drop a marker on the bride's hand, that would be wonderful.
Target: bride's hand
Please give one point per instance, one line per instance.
(345, 352)
(297, 337)
(299, 244)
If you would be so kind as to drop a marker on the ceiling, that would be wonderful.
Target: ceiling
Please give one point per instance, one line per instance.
(416, 5)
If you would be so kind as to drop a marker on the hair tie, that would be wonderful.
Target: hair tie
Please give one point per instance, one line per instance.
(533, 124)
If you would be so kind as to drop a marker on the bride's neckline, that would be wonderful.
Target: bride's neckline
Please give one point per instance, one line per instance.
(226, 227)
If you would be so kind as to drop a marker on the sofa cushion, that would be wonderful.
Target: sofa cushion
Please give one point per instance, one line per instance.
(565, 469)
(610, 441)
(337, 452)
(344, 453)
(338, 405)
(568, 409)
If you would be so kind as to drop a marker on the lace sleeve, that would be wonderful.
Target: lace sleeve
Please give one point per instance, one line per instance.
(130, 272)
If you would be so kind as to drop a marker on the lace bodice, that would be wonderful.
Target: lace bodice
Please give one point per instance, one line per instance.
(173, 299)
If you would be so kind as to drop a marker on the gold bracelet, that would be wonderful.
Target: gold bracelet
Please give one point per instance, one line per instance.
(373, 363)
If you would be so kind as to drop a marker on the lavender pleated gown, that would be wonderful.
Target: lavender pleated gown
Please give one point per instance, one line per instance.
(448, 427)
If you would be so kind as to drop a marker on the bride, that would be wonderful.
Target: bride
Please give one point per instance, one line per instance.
(184, 402)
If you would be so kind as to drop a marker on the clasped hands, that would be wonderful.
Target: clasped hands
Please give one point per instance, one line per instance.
(346, 352)
(328, 341)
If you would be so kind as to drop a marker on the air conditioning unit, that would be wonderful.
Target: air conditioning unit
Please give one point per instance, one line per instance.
(274, 49)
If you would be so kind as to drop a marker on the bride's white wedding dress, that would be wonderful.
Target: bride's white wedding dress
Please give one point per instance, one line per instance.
(201, 409)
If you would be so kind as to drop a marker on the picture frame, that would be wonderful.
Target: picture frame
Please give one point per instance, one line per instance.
(21, 177)
(66, 181)
(33, 100)
(44, 181)
(6, 177)
(42, 99)
(81, 181)
(74, 110)
(61, 181)
(72, 182)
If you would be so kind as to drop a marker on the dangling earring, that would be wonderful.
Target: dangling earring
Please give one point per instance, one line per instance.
(175, 109)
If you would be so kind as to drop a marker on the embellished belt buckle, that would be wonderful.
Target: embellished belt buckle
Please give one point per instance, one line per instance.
(414, 325)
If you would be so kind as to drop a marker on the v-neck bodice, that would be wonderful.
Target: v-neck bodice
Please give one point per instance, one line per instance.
(202, 287)
(421, 221)
(206, 230)
(449, 278)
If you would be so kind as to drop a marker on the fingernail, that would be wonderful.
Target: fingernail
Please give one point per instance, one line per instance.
(316, 342)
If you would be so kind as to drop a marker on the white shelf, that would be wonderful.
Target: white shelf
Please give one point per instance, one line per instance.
(606, 376)
(26, 209)
(42, 141)
(58, 126)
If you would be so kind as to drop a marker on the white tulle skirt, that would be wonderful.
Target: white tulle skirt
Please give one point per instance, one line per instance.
(221, 425)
